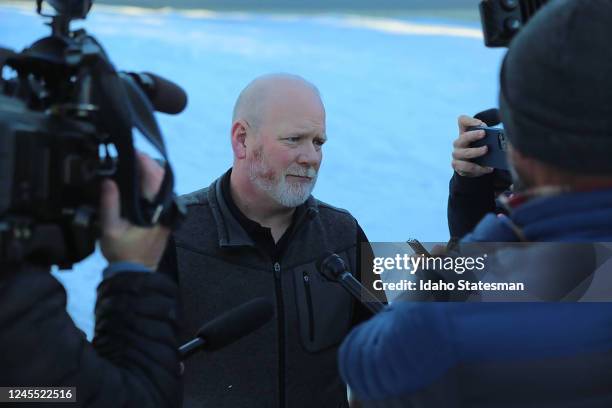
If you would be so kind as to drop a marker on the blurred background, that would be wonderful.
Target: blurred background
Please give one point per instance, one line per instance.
(394, 75)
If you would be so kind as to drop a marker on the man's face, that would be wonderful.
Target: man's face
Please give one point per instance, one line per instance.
(285, 160)
(520, 178)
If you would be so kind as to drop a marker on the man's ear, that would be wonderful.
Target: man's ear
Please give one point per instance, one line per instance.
(532, 172)
(239, 136)
(513, 156)
(521, 162)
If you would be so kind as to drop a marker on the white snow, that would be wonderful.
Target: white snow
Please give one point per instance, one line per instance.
(392, 90)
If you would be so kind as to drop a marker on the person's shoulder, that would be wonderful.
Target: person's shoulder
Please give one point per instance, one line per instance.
(198, 197)
(198, 216)
(325, 207)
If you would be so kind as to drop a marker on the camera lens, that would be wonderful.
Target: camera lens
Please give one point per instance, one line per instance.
(509, 4)
(512, 24)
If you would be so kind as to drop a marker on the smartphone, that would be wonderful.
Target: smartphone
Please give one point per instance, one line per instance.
(417, 247)
(497, 146)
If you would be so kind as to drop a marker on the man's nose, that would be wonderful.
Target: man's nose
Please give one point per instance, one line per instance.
(309, 156)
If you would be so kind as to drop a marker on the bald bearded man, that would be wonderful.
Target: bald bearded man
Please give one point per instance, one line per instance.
(257, 231)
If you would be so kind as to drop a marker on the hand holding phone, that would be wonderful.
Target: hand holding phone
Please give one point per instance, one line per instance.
(496, 143)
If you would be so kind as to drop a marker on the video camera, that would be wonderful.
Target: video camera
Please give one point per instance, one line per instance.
(502, 19)
(66, 120)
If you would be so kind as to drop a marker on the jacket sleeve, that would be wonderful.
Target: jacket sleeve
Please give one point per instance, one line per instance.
(469, 199)
(133, 360)
(388, 360)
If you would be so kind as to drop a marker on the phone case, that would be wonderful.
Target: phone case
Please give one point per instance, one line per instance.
(495, 139)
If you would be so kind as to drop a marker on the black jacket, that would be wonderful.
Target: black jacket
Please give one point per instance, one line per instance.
(133, 360)
(471, 198)
(290, 361)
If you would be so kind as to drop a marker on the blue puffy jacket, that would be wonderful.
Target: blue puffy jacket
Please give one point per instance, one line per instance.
(494, 354)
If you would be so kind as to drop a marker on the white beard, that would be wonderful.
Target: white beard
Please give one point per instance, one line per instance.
(280, 190)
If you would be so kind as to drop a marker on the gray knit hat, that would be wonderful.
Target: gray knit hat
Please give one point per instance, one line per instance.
(556, 86)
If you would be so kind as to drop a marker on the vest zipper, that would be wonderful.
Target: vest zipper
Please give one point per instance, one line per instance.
(281, 334)
(309, 303)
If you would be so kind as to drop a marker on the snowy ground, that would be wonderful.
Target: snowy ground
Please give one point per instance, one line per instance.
(392, 91)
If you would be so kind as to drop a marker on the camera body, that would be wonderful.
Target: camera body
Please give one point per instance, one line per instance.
(49, 185)
(66, 123)
(502, 19)
(497, 145)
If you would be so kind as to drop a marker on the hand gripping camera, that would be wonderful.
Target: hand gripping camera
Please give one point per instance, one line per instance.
(66, 121)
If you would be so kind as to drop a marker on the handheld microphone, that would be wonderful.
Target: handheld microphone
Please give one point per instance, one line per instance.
(165, 95)
(489, 116)
(229, 327)
(334, 269)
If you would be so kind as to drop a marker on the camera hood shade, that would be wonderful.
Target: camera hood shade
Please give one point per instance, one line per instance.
(73, 9)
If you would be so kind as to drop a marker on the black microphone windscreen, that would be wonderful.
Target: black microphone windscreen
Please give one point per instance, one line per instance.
(323, 259)
(236, 323)
(165, 95)
(331, 265)
(489, 116)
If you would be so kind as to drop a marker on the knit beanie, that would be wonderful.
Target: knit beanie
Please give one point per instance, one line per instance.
(556, 86)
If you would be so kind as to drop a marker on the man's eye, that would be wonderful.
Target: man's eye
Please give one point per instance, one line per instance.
(319, 142)
(293, 139)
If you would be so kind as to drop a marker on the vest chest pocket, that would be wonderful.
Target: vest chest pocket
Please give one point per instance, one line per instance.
(324, 309)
